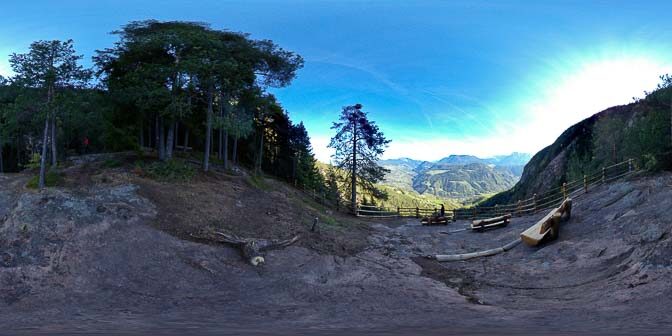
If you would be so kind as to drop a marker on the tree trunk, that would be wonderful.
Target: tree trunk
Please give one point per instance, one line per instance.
(2, 163)
(220, 135)
(170, 141)
(234, 159)
(208, 132)
(186, 139)
(177, 135)
(43, 157)
(157, 136)
(260, 158)
(141, 138)
(353, 173)
(294, 164)
(162, 140)
(54, 150)
(225, 150)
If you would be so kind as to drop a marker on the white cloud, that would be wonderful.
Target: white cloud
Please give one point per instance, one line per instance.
(562, 102)
(320, 148)
(4, 68)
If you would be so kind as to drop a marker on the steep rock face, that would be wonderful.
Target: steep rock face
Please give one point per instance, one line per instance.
(613, 135)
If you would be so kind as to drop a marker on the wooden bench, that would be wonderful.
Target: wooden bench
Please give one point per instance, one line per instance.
(549, 226)
(435, 220)
(482, 224)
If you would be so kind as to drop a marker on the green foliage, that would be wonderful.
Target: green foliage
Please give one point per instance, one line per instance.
(258, 182)
(650, 162)
(608, 136)
(34, 162)
(51, 179)
(165, 73)
(112, 163)
(649, 135)
(169, 171)
(358, 145)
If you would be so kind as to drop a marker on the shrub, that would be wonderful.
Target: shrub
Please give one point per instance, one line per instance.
(112, 163)
(169, 171)
(51, 179)
(34, 161)
(650, 162)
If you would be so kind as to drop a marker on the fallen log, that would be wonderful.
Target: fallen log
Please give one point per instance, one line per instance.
(472, 255)
(487, 223)
(252, 249)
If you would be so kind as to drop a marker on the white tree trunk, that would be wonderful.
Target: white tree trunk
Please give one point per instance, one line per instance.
(43, 157)
(54, 150)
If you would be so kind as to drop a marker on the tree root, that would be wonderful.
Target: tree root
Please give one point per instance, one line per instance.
(252, 249)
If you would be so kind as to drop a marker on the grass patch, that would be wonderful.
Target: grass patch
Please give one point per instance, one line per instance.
(167, 171)
(51, 179)
(258, 182)
(112, 163)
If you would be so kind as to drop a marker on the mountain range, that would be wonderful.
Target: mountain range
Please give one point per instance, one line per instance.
(456, 176)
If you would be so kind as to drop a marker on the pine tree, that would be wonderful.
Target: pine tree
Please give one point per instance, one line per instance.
(50, 67)
(359, 143)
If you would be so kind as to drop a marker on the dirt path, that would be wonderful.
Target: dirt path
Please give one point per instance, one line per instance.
(95, 260)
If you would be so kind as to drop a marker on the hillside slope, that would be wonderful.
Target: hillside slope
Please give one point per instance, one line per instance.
(463, 181)
(456, 176)
(108, 251)
(638, 131)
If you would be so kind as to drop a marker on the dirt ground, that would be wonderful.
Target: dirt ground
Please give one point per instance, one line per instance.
(110, 252)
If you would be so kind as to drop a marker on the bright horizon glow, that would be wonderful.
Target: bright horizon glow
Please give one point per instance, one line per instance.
(563, 100)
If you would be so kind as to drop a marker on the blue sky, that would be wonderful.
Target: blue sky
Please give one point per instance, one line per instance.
(439, 77)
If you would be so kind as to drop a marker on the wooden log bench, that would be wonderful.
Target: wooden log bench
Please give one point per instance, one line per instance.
(435, 220)
(548, 228)
(489, 223)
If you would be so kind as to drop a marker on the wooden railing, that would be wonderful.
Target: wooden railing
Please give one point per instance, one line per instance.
(373, 211)
(552, 197)
(547, 200)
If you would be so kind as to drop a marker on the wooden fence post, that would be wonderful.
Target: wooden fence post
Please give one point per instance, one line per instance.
(417, 212)
(564, 190)
(518, 208)
(474, 212)
(585, 183)
(604, 174)
(629, 165)
(534, 202)
(398, 212)
(454, 215)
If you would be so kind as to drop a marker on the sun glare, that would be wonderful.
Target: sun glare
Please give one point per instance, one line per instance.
(595, 86)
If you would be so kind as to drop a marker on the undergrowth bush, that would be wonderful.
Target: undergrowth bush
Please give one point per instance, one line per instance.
(51, 179)
(168, 171)
(112, 163)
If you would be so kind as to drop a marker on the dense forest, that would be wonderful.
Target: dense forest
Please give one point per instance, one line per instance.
(180, 88)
